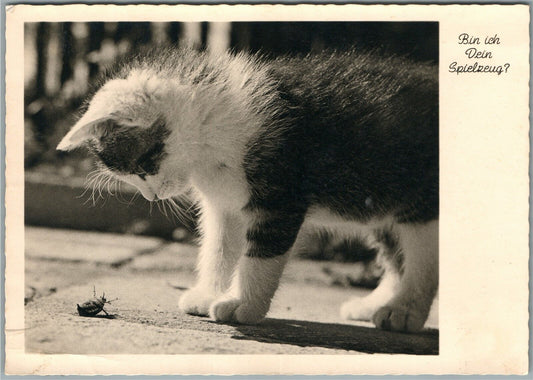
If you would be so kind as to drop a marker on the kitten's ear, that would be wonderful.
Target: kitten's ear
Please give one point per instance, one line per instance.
(103, 106)
(87, 128)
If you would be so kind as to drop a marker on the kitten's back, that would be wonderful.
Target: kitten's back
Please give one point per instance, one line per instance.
(359, 135)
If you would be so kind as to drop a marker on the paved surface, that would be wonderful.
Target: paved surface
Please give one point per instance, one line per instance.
(148, 275)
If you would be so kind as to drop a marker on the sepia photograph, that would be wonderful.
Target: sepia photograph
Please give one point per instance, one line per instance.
(245, 193)
(171, 169)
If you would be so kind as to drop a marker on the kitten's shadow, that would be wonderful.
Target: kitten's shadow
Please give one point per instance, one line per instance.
(340, 336)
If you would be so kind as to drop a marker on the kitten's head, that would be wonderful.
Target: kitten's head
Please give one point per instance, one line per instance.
(126, 126)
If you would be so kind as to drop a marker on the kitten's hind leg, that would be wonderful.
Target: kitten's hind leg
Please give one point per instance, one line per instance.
(222, 244)
(389, 258)
(409, 308)
(364, 308)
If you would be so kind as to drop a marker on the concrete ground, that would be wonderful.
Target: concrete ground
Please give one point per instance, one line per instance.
(148, 275)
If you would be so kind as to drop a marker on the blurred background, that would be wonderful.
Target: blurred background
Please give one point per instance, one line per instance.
(62, 60)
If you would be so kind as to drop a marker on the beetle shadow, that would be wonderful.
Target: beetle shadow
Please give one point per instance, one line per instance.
(102, 316)
(340, 336)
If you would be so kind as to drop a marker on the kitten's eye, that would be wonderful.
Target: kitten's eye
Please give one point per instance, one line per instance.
(147, 163)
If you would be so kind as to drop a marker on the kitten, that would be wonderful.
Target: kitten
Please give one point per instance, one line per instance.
(347, 141)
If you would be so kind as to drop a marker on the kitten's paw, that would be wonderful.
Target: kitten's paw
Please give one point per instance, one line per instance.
(235, 310)
(357, 309)
(196, 302)
(399, 318)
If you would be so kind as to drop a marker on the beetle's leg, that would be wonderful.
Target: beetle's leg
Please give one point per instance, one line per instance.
(106, 313)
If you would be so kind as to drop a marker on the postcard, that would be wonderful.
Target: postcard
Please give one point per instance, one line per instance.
(164, 161)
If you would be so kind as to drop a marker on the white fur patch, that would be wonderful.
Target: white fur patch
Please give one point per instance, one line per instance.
(248, 300)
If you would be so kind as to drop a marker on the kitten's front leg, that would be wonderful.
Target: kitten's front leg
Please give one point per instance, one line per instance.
(222, 244)
(269, 239)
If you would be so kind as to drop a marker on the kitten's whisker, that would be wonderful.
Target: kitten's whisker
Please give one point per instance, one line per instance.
(174, 215)
(115, 189)
(119, 194)
(133, 197)
(96, 188)
(93, 174)
(99, 186)
(94, 182)
(105, 184)
(188, 212)
(174, 209)
(165, 207)
(162, 208)
(183, 216)
(82, 195)
(190, 208)
(111, 182)
(179, 210)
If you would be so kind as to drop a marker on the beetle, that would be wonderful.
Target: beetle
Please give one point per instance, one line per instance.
(94, 306)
